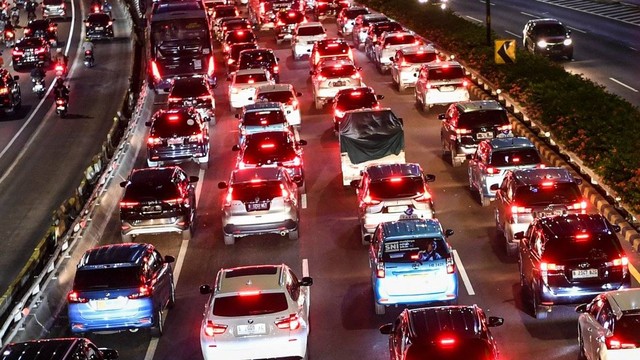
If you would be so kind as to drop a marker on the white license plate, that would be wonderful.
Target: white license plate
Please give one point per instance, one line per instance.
(99, 28)
(548, 213)
(487, 135)
(197, 64)
(174, 141)
(107, 304)
(447, 88)
(584, 274)
(396, 209)
(251, 329)
(258, 206)
(338, 83)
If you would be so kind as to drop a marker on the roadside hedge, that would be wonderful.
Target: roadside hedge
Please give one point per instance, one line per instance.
(601, 128)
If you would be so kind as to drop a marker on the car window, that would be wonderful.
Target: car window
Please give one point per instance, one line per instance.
(397, 187)
(251, 78)
(515, 157)
(549, 30)
(557, 193)
(357, 100)
(293, 286)
(188, 88)
(285, 97)
(627, 328)
(463, 349)
(268, 152)
(157, 188)
(169, 126)
(399, 39)
(263, 118)
(483, 118)
(249, 304)
(412, 250)
(113, 278)
(338, 71)
(310, 30)
(596, 247)
(605, 316)
(419, 58)
(264, 190)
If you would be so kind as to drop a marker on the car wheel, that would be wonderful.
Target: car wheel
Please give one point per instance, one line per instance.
(127, 238)
(172, 298)
(379, 68)
(539, 312)
(380, 309)
(294, 234)
(581, 353)
(484, 201)
(419, 102)
(186, 234)
(318, 104)
(362, 235)
(510, 248)
(158, 327)
(401, 87)
(229, 239)
(454, 160)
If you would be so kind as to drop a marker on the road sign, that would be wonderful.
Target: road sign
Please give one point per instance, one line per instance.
(505, 51)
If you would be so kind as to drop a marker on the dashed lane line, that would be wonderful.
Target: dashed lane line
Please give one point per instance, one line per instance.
(463, 273)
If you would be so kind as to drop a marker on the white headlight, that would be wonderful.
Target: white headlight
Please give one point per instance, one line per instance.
(443, 6)
(542, 44)
(423, 1)
(567, 42)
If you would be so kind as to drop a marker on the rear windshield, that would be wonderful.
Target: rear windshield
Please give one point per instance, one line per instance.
(334, 49)
(234, 53)
(268, 153)
(601, 247)
(188, 88)
(250, 78)
(285, 97)
(256, 58)
(291, 17)
(399, 40)
(515, 157)
(263, 118)
(99, 18)
(310, 31)
(220, 13)
(627, 328)
(150, 190)
(538, 195)
(240, 36)
(483, 118)
(352, 14)
(112, 278)
(262, 190)
(163, 127)
(400, 187)
(391, 26)
(366, 100)
(338, 71)
(411, 250)
(419, 58)
(250, 305)
(374, 20)
(448, 73)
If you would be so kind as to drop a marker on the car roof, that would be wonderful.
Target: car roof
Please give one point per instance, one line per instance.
(545, 21)
(49, 349)
(429, 321)
(478, 105)
(264, 173)
(186, 83)
(623, 300)
(262, 106)
(410, 228)
(442, 64)
(538, 175)
(514, 142)
(394, 33)
(275, 87)
(280, 137)
(383, 171)
(418, 48)
(125, 253)
(310, 24)
(568, 225)
(248, 278)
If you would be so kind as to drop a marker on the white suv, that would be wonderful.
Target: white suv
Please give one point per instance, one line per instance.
(244, 84)
(441, 83)
(256, 312)
(260, 200)
(287, 96)
(305, 35)
(390, 42)
(332, 76)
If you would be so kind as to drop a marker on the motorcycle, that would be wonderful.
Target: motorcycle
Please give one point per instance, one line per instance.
(61, 107)
(61, 70)
(88, 58)
(38, 87)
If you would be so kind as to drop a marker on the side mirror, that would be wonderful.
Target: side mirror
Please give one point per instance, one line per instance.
(415, 74)
(577, 180)
(494, 187)
(355, 184)
(367, 238)
(302, 142)
(250, 98)
(581, 308)
(430, 177)
(386, 329)
(391, 58)
(494, 321)
(169, 259)
(147, 123)
(277, 59)
(228, 78)
(222, 185)
(237, 116)
(109, 354)
(235, 148)
(16, 77)
(298, 93)
(448, 232)
(205, 289)
(519, 235)
(306, 281)
(193, 179)
(379, 96)
(296, 178)
(123, 184)
(441, 116)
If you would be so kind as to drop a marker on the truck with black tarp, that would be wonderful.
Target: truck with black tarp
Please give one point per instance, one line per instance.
(367, 137)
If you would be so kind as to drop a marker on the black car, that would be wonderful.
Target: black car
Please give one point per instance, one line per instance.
(43, 28)
(99, 26)
(260, 58)
(30, 51)
(569, 259)
(237, 37)
(286, 23)
(10, 96)
(193, 92)
(325, 8)
(351, 99)
(158, 200)
(57, 349)
(547, 37)
(234, 55)
(442, 333)
(178, 135)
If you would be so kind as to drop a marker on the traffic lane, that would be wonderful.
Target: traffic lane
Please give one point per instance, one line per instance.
(51, 163)
(603, 48)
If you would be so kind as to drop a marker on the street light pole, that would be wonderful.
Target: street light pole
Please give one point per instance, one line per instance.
(488, 7)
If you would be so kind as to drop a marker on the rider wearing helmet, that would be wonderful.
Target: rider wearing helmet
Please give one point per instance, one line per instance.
(61, 57)
(60, 90)
(87, 45)
(38, 73)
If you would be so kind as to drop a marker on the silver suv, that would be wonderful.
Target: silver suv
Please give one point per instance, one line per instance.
(260, 200)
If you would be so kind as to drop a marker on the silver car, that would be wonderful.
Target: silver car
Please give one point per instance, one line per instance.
(260, 200)
(406, 64)
(332, 76)
(388, 44)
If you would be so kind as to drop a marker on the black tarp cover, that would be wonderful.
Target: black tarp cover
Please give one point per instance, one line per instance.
(371, 135)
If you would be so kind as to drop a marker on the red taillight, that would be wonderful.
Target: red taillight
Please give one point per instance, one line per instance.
(267, 146)
(321, 78)
(463, 131)
(582, 236)
(174, 117)
(547, 266)
(504, 128)
(176, 201)
(582, 205)
(143, 291)
(60, 101)
(59, 68)
(614, 343)
(87, 24)
(229, 197)
(18, 52)
(451, 266)
(380, 273)
(52, 28)
(447, 341)
(155, 71)
(395, 179)
(87, 53)
(369, 201)
(4, 91)
(27, 31)
(515, 209)
(290, 323)
(249, 293)
(214, 329)
(337, 113)
(211, 68)
(96, 8)
(74, 297)
(623, 261)
(110, 23)
(230, 61)
(154, 140)
(490, 170)
(547, 184)
(9, 34)
(465, 83)
(276, 69)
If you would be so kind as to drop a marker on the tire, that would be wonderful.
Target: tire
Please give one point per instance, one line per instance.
(362, 235)
(511, 249)
(127, 238)
(318, 104)
(229, 239)
(204, 162)
(379, 309)
(294, 235)
(484, 201)
(158, 327)
(186, 234)
(539, 312)
(454, 161)
(401, 87)
(581, 353)
(421, 107)
(172, 297)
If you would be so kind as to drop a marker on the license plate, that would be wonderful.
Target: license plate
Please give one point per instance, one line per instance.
(99, 28)
(197, 64)
(338, 83)
(584, 274)
(152, 209)
(487, 135)
(447, 88)
(396, 209)
(108, 304)
(190, 102)
(548, 213)
(251, 329)
(258, 206)
(174, 141)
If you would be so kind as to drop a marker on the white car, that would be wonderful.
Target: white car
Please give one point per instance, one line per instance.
(332, 76)
(305, 35)
(389, 43)
(244, 84)
(608, 326)
(287, 96)
(407, 62)
(441, 83)
(256, 312)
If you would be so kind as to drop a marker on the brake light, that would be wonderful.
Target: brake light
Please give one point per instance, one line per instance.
(380, 273)
(291, 14)
(505, 128)
(155, 71)
(17, 52)
(515, 209)
(230, 61)
(212, 67)
(74, 297)
(229, 197)
(404, 63)
(447, 341)
(96, 8)
(614, 343)
(582, 205)
(451, 266)
(369, 201)
(60, 101)
(339, 113)
(9, 34)
(59, 68)
(547, 184)
(4, 91)
(251, 81)
(276, 69)
(87, 24)
(356, 93)
(545, 266)
(128, 204)
(214, 329)
(623, 261)
(395, 179)
(52, 28)
(582, 236)
(321, 78)
(176, 201)
(143, 291)
(490, 170)
(356, 75)
(154, 140)
(267, 146)
(290, 323)
(27, 31)
(465, 83)
(463, 131)
(110, 23)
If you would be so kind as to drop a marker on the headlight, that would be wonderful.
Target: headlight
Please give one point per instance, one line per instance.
(542, 44)
(423, 1)
(567, 42)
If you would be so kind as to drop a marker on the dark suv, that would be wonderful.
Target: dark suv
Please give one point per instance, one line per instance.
(193, 92)
(10, 95)
(467, 123)
(158, 200)
(547, 37)
(351, 99)
(444, 333)
(57, 349)
(260, 58)
(569, 259)
(99, 26)
(30, 51)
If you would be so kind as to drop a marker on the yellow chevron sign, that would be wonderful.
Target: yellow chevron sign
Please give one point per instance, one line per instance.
(505, 51)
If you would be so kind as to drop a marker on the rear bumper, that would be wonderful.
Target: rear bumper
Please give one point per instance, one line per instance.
(278, 227)
(255, 347)
(83, 319)
(450, 293)
(445, 97)
(155, 226)
(572, 295)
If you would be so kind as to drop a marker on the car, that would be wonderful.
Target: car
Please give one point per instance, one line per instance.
(234, 55)
(442, 4)
(210, 5)
(362, 97)
(330, 49)
(256, 312)
(266, 16)
(57, 349)
(443, 333)
(493, 158)
(10, 95)
(29, 51)
(441, 83)
(232, 24)
(260, 58)
(332, 76)
(43, 28)
(467, 123)
(568, 259)
(121, 287)
(389, 43)
(158, 200)
(273, 148)
(527, 194)
(260, 200)
(548, 37)
(374, 33)
(346, 18)
(244, 84)
(287, 96)
(237, 37)
(222, 11)
(304, 36)
(193, 92)
(411, 263)
(286, 23)
(386, 191)
(53, 8)
(98, 26)
(406, 64)
(260, 117)
(608, 326)
(361, 27)
(178, 135)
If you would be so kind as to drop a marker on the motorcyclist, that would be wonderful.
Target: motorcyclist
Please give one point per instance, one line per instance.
(87, 45)
(15, 14)
(106, 7)
(60, 57)
(61, 91)
(96, 6)
(9, 31)
(31, 7)
(38, 73)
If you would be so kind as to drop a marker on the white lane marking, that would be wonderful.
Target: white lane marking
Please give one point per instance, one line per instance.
(153, 344)
(463, 273)
(305, 267)
(527, 14)
(514, 34)
(632, 48)
(576, 29)
(474, 19)
(303, 201)
(623, 84)
(35, 111)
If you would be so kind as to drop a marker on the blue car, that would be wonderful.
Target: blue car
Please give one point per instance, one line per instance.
(121, 287)
(412, 264)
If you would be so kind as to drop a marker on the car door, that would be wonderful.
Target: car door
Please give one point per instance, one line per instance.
(534, 252)
(603, 326)
(421, 81)
(374, 253)
(474, 167)
(395, 340)
(588, 324)
(395, 66)
(505, 191)
(155, 279)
